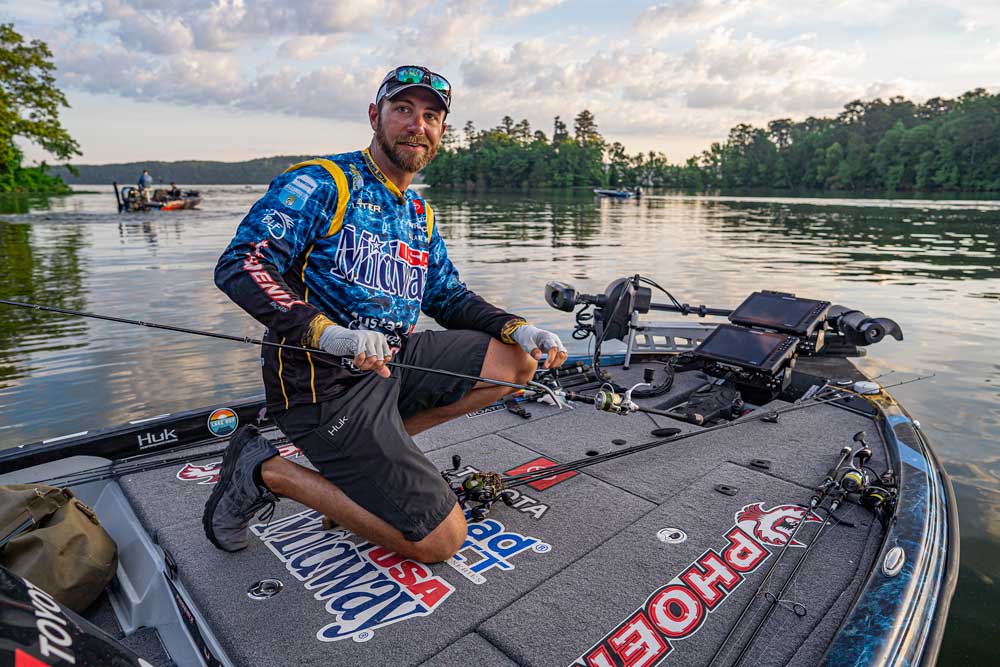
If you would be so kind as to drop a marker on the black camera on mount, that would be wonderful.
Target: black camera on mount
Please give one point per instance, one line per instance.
(612, 310)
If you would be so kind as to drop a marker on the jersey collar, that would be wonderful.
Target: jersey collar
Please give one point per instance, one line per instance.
(382, 178)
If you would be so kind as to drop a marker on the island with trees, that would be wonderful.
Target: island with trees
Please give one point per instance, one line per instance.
(945, 145)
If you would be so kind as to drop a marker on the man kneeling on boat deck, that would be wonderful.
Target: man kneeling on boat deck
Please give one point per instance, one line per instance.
(341, 256)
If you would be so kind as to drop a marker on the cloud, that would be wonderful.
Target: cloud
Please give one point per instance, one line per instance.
(725, 62)
(690, 15)
(521, 8)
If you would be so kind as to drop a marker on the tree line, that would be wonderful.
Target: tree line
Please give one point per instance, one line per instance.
(884, 146)
(183, 172)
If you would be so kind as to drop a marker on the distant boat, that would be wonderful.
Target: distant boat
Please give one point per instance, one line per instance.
(618, 194)
(130, 200)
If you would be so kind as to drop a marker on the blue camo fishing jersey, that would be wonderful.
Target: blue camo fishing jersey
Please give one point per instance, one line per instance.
(335, 237)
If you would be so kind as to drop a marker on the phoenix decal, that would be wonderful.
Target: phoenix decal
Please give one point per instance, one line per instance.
(677, 610)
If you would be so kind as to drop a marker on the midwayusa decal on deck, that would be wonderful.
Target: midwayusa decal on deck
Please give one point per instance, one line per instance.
(363, 586)
(489, 546)
(677, 610)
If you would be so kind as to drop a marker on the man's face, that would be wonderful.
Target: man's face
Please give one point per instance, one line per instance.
(408, 128)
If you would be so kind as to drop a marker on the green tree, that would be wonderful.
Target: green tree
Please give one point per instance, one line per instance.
(559, 132)
(29, 109)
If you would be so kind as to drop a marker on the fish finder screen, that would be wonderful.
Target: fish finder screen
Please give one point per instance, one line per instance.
(740, 346)
(778, 311)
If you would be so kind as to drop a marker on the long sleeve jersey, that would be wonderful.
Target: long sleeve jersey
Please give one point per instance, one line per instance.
(334, 239)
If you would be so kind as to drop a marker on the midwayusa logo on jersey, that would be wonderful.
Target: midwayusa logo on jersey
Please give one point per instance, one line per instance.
(489, 546)
(208, 473)
(676, 610)
(393, 267)
(364, 587)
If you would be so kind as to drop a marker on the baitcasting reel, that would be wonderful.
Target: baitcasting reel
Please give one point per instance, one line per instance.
(476, 492)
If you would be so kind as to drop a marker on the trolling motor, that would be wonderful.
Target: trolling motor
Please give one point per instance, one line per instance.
(857, 329)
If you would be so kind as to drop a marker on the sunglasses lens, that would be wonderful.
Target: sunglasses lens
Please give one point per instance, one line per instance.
(440, 84)
(409, 75)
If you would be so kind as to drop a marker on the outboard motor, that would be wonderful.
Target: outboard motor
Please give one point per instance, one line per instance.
(37, 630)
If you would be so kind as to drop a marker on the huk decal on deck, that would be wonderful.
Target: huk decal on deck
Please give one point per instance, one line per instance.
(364, 587)
(676, 610)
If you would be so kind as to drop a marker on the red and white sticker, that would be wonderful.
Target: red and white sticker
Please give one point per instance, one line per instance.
(535, 465)
(676, 610)
(208, 473)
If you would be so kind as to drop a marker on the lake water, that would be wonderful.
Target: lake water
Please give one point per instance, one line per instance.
(931, 265)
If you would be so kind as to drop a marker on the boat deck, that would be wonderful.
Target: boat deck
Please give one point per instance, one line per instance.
(585, 569)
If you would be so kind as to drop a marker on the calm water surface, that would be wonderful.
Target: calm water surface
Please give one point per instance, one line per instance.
(930, 265)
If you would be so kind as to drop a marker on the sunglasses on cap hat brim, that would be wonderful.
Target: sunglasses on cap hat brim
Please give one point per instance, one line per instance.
(411, 76)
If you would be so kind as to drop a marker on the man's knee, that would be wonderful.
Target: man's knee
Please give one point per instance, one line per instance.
(527, 367)
(443, 542)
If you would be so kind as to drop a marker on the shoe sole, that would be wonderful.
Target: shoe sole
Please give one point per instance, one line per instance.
(229, 459)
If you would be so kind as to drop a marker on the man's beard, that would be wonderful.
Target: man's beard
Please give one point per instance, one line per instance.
(400, 157)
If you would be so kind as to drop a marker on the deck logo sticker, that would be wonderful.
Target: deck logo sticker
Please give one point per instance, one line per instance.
(488, 547)
(363, 587)
(676, 610)
(541, 463)
(484, 411)
(222, 422)
(208, 473)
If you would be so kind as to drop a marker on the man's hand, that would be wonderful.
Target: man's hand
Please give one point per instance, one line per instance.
(370, 349)
(537, 341)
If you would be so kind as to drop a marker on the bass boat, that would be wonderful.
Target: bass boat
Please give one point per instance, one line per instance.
(130, 199)
(614, 194)
(728, 491)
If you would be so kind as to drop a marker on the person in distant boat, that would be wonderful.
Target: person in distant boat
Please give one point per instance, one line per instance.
(339, 255)
(174, 191)
(146, 186)
(638, 191)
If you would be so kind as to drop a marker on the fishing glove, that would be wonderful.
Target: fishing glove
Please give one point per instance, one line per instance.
(532, 340)
(352, 342)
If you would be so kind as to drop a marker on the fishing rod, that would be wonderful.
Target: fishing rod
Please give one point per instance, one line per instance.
(774, 598)
(822, 491)
(478, 492)
(514, 481)
(532, 386)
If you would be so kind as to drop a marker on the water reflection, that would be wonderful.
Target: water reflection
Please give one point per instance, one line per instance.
(42, 266)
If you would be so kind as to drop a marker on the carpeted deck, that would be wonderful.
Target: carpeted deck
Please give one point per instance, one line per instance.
(594, 569)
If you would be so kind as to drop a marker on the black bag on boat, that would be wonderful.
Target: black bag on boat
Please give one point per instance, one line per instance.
(36, 631)
(55, 541)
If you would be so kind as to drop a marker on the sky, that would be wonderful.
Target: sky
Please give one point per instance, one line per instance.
(239, 79)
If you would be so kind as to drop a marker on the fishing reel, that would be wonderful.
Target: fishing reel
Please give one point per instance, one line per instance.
(608, 400)
(854, 477)
(476, 492)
